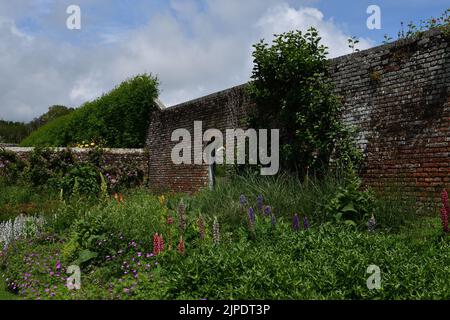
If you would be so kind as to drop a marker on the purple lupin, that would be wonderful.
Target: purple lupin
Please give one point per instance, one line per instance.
(296, 223)
(305, 223)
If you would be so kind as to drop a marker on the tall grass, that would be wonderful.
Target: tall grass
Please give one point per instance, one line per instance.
(286, 195)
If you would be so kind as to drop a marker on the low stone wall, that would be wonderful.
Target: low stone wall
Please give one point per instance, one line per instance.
(111, 157)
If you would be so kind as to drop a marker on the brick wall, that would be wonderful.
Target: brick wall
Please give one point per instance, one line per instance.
(397, 96)
(223, 110)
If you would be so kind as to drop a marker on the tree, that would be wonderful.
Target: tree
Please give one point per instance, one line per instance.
(293, 92)
(53, 112)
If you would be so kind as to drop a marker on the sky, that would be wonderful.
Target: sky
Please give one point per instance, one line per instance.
(195, 47)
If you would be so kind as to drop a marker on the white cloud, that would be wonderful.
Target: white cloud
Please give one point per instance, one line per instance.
(194, 52)
(282, 18)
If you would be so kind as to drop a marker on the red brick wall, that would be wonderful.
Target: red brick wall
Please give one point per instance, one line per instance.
(397, 95)
(223, 110)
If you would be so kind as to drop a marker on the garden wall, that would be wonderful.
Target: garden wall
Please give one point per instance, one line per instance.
(396, 95)
(111, 157)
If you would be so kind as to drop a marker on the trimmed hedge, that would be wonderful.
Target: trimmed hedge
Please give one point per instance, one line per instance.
(118, 119)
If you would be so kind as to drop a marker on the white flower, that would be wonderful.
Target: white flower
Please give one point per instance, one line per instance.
(20, 227)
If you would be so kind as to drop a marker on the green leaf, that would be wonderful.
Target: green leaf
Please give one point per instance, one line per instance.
(85, 256)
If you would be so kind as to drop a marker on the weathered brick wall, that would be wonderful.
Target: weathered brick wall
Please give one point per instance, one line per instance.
(223, 110)
(111, 157)
(397, 96)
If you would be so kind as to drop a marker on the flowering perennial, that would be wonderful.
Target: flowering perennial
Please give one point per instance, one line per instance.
(296, 223)
(158, 244)
(445, 211)
(181, 246)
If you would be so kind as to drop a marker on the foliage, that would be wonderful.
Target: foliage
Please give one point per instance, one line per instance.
(349, 203)
(84, 175)
(112, 242)
(291, 88)
(119, 118)
(13, 132)
(11, 166)
(442, 23)
(61, 170)
(352, 42)
(326, 262)
(53, 113)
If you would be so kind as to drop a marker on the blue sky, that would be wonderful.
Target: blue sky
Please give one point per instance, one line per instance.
(194, 46)
(118, 15)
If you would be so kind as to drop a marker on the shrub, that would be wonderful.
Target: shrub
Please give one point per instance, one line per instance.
(292, 91)
(11, 166)
(119, 118)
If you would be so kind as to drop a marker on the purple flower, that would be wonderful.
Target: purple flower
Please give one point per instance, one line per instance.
(251, 215)
(267, 210)
(242, 200)
(305, 223)
(259, 202)
(273, 220)
(296, 223)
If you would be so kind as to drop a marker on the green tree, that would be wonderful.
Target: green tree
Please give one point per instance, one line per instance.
(53, 113)
(293, 92)
(118, 119)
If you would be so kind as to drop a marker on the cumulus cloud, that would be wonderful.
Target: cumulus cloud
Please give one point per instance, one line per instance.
(194, 50)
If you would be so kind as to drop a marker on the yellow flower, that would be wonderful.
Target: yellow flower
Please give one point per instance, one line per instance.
(162, 200)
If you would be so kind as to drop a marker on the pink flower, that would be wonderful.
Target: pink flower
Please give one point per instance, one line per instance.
(444, 220)
(181, 246)
(445, 210)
